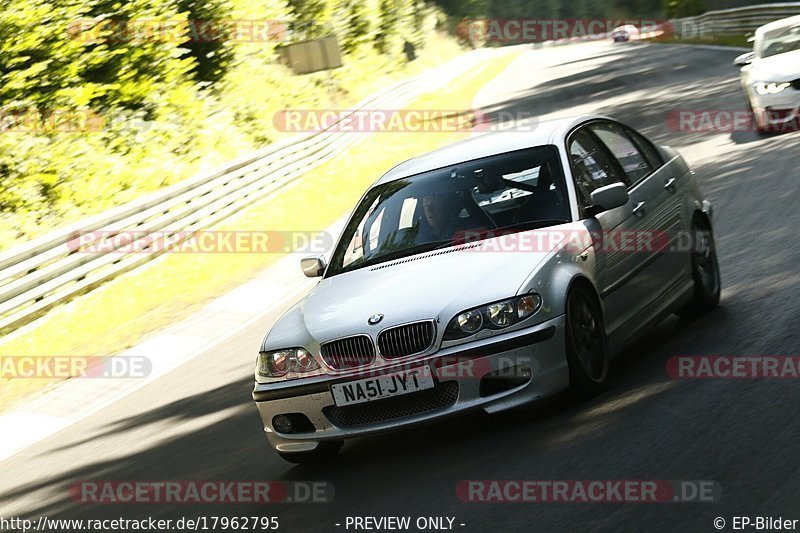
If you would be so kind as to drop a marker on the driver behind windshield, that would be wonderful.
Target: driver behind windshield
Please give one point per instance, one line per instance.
(440, 217)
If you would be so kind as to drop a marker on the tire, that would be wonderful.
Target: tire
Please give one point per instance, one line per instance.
(587, 345)
(323, 452)
(705, 270)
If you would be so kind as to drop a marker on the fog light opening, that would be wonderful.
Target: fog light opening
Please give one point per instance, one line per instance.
(282, 424)
(505, 379)
(292, 423)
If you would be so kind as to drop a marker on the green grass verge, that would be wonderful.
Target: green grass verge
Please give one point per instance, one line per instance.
(720, 40)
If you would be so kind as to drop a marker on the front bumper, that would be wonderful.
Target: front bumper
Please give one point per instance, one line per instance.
(777, 110)
(459, 373)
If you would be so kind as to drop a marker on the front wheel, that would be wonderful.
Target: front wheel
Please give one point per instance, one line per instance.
(324, 451)
(587, 346)
(705, 270)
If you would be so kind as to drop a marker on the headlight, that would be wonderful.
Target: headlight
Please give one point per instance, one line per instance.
(501, 314)
(469, 322)
(771, 87)
(278, 363)
(496, 315)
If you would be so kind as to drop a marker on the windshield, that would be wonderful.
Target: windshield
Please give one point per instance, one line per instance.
(509, 192)
(781, 41)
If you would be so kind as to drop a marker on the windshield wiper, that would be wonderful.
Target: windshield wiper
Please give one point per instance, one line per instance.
(403, 252)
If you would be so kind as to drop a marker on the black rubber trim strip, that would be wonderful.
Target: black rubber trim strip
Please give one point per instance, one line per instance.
(481, 351)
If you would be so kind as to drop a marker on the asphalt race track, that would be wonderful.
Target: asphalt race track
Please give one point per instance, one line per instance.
(198, 422)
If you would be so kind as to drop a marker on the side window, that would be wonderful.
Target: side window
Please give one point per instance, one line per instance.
(650, 152)
(592, 167)
(630, 158)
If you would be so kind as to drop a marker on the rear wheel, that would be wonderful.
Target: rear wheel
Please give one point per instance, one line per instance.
(587, 346)
(705, 270)
(324, 451)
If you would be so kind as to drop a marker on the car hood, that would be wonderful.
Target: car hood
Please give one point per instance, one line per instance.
(782, 67)
(435, 285)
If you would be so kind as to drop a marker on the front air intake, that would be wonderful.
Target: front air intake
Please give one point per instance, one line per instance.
(348, 353)
(406, 340)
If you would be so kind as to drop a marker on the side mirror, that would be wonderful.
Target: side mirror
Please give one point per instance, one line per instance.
(608, 198)
(744, 59)
(313, 267)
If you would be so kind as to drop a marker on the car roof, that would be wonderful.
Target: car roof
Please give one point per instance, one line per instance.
(779, 24)
(496, 142)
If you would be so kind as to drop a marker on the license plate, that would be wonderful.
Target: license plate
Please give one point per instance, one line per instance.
(379, 387)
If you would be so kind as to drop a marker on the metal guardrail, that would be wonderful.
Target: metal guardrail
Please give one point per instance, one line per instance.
(50, 269)
(736, 21)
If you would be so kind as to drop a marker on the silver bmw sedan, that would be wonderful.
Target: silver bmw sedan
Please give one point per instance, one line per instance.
(491, 273)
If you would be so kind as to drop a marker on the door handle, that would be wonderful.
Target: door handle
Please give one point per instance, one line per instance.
(639, 209)
(670, 185)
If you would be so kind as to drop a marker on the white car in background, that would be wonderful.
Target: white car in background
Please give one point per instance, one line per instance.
(625, 33)
(771, 76)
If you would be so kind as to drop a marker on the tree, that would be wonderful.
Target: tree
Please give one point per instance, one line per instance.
(684, 8)
(208, 43)
(310, 17)
(357, 30)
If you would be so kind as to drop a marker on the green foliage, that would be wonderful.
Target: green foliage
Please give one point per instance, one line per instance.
(399, 22)
(122, 68)
(388, 15)
(464, 9)
(357, 29)
(147, 111)
(212, 54)
(39, 63)
(311, 17)
(684, 8)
